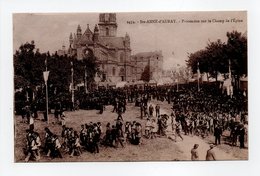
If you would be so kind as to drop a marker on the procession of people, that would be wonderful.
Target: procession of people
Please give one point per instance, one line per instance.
(203, 113)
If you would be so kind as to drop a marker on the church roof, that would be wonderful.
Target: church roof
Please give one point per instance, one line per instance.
(112, 42)
(147, 54)
(88, 31)
(86, 38)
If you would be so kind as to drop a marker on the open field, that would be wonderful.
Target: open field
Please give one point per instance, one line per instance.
(158, 149)
(149, 150)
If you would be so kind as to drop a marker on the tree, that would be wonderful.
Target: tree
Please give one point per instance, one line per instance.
(216, 56)
(60, 74)
(236, 49)
(87, 68)
(146, 74)
(28, 65)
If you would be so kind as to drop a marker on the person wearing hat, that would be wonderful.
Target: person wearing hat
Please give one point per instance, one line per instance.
(242, 136)
(63, 119)
(151, 109)
(148, 127)
(178, 131)
(157, 110)
(211, 153)
(31, 123)
(195, 153)
(56, 147)
(217, 134)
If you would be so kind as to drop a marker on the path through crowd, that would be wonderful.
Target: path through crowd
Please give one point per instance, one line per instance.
(187, 144)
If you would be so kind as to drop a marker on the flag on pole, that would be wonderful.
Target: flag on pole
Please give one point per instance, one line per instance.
(70, 87)
(71, 63)
(46, 75)
(198, 73)
(229, 69)
(45, 62)
(198, 69)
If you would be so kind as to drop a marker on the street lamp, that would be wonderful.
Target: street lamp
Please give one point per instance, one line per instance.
(86, 87)
(72, 85)
(125, 65)
(178, 76)
(45, 76)
(149, 67)
(198, 73)
(177, 73)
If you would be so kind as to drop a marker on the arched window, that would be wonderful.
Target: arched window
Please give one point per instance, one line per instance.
(106, 17)
(121, 57)
(107, 31)
(122, 72)
(114, 71)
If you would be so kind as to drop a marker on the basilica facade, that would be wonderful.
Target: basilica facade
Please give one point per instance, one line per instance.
(113, 52)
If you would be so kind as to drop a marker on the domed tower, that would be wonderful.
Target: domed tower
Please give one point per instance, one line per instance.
(107, 24)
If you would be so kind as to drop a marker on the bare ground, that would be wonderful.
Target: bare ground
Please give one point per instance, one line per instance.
(223, 151)
(158, 149)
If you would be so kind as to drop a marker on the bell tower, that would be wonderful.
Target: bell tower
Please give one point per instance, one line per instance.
(107, 24)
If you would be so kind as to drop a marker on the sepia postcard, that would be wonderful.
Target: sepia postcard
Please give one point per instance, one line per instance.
(140, 86)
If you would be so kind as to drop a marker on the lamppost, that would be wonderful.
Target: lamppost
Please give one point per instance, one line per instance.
(149, 68)
(177, 73)
(85, 78)
(125, 65)
(178, 76)
(45, 76)
(177, 80)
(72, 85)
(198, 73)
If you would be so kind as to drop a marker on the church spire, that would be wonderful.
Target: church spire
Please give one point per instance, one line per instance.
(96, 29)
(71, 39)
(96, 34)
(127, 40)
(79, 31)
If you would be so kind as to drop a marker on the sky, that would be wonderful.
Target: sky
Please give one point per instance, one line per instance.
(187, 35)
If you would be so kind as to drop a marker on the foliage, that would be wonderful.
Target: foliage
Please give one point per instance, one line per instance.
(236, 49)
(216, 56)
(146, 74)
(26, 66)
(29, 65)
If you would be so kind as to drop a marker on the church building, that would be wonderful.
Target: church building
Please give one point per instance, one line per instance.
(113, 53)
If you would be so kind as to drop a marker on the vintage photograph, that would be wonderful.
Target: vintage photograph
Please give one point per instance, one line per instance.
(142, 86)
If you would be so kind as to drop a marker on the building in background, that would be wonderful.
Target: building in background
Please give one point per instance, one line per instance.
(154, 60)
(113, 52)
(62, 51)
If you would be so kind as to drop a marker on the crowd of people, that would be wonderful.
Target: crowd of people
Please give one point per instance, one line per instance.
(89, 138)
(203, 113)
